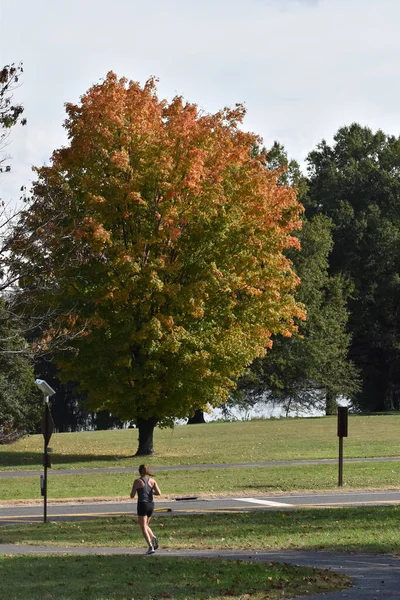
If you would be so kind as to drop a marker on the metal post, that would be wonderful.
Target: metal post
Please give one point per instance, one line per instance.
(45, 458)
(340, 483)
(342, 432)
(47, 430)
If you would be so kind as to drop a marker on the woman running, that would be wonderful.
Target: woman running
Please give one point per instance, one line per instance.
(146, 487)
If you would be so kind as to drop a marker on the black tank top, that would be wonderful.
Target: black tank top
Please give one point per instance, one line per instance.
(145, 494)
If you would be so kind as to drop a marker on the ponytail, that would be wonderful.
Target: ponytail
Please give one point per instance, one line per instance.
(144, 470)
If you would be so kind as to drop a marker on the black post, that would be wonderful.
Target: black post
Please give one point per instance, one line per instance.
(47, 430)
(340, 482)
(45, 458)
(342, 432)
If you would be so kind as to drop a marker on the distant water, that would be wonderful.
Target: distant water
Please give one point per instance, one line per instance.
(268, 410)
(262, 410)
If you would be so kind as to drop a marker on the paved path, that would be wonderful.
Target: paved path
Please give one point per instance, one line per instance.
(375, 577)
(276, 463)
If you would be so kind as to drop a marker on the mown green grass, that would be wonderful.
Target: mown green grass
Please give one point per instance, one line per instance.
(281, 439)
(367, 529)
(251, 481)
(147, 578)
(363, 529)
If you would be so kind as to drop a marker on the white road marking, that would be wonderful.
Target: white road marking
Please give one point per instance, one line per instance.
(263, 502)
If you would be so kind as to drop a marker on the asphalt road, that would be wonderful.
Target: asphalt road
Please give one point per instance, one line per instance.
(10, 514)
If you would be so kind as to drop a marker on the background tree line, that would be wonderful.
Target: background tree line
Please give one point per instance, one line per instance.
(105, 199)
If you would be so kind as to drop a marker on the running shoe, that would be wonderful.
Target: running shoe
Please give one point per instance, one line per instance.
(150, 551)
(155, 542)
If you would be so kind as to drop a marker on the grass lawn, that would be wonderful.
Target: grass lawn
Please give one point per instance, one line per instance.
(259, 480)
(362, 529)
(128, 577)
(250, 441)
(365, 529)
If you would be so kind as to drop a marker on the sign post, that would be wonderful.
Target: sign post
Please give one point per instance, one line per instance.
(47, 430)
(342, 432)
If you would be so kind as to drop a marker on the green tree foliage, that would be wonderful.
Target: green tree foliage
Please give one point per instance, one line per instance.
(356, 183)
(20, 404)
(311, 369)
(158, 239)
(67, 404)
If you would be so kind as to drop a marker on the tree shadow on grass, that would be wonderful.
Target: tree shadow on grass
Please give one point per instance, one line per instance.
(31, 460)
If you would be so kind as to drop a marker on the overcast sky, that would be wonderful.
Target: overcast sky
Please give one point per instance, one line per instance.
(303, 68)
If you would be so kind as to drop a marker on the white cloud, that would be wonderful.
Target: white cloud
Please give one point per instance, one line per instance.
(302, 67)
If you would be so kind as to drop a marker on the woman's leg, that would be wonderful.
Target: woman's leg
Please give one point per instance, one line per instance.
(143, 526)
(151, 534)
(154, 538)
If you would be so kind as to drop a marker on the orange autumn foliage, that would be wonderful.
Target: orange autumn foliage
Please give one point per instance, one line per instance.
(163, 232)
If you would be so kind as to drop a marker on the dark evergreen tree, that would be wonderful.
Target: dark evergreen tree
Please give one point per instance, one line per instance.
(356, 183)
(20, 402)
(67, 404)
(310, 370)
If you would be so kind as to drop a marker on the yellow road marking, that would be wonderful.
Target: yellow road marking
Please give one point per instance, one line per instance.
(96, 514)
(99, 514)
(15, 520)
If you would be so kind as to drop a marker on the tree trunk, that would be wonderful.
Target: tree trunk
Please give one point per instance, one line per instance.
(198, 417)
(146, 430)
(389, 397)
(330, 404)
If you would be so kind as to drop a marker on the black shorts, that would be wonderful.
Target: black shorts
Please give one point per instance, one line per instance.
(145, 509)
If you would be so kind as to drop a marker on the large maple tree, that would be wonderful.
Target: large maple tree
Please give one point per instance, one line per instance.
(157, 236)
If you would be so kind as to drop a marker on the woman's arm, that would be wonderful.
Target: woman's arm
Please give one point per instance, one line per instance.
(134, 488)
(156, 489)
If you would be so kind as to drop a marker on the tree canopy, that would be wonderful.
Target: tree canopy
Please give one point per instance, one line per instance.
(355, 182)
(310, 370)
(158, 237)
(19, 407)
